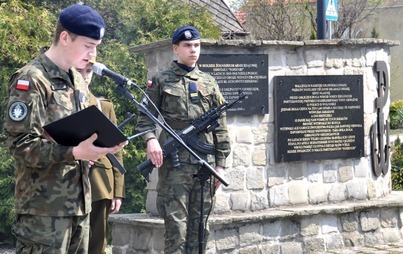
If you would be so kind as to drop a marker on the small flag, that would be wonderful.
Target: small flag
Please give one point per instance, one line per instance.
(149, 83)
(23, 85)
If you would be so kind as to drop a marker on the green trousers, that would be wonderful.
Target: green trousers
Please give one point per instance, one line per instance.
(51, 235)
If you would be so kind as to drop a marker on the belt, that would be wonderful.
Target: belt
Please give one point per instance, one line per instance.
(177, 125)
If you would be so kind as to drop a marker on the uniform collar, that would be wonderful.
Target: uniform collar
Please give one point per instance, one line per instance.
(52, 69)
(193, 74)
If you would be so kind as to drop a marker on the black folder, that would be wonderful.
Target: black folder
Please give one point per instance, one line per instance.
(73, 129)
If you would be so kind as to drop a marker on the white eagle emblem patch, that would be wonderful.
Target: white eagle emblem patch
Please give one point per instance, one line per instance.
(188, 35)
(18, 111)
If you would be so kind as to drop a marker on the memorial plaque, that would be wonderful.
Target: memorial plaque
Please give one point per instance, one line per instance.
(245, 72)
(318, 117)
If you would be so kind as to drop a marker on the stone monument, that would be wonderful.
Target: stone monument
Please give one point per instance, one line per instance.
(309, 168)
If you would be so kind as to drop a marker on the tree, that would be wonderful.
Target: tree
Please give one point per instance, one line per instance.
(296, 19)
(351, 15)
(277, 20)
(28, 25)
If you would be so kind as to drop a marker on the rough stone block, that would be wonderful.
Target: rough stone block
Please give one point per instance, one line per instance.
(250, 235)
(310, 226)
(259, 156)
(298, 192)
(329, 224)
(349, 222)
(278, 195)
(255, 179)
(241, 156)
(389, 218)
(373, 237)
(227, 240)
(291, 248)
(346, 173)
(334, 241)
(357, 189)
(352, 239)
(270, 248)
(236, 178)
(338, 192)
(259, 201)
(329, 172)
(369, 220)
(318, 193)
(244, 135)
(240, 201)
(314, 244)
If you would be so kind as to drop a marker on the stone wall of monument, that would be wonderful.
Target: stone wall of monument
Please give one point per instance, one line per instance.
(275, 203)
(256, 180)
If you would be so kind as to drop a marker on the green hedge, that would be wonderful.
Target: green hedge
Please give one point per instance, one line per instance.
(397, 165)
(396, 115)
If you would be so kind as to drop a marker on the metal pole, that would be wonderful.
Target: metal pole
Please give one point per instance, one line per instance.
(321, 19)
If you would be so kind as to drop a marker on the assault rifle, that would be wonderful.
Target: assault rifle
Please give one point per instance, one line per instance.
(205, 123)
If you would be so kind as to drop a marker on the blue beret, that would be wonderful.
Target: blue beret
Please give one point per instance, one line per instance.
(83, 20)
(185, 33)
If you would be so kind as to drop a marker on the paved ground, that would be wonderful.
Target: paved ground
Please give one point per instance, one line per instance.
(9, 250)
(392, 248)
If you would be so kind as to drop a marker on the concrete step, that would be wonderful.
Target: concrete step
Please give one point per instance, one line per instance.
(318, 228)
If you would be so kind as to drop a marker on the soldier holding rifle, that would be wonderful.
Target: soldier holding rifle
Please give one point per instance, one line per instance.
(182, 93)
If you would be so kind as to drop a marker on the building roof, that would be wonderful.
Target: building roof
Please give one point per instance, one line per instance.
(225, 19)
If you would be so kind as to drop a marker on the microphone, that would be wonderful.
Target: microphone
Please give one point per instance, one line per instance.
(101, 70)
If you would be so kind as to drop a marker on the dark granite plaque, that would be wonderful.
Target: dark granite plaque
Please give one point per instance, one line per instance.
(318, 117)
(245, 72)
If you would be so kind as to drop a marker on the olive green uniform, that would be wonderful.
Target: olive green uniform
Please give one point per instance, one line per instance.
(106, 183)
(178, 190)
(52, 189)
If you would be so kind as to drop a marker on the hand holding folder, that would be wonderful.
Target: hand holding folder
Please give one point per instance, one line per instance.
(73, 129)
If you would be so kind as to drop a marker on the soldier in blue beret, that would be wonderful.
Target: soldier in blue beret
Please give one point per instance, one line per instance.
(52, 187)
(183, 93)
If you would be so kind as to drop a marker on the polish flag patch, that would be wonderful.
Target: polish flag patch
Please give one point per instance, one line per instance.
(23, 85)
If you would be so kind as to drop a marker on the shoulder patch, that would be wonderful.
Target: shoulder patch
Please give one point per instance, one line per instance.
(18, 111)
(22, 85)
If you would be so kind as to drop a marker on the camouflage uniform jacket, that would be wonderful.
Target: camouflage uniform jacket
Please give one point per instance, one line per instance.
(49, 181)
(170, 93)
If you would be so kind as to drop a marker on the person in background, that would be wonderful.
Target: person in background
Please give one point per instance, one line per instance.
(107, 183)
(182, 93)
(52, 187)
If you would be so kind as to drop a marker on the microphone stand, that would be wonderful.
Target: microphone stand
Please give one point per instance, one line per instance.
(203, 176)
(111, 157)
(205, 170)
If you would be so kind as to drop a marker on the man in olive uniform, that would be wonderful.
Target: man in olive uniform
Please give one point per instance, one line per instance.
(182, 93)
(52, 188)
(107, 182)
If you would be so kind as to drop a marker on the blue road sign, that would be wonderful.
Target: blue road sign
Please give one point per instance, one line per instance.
(331, 10)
